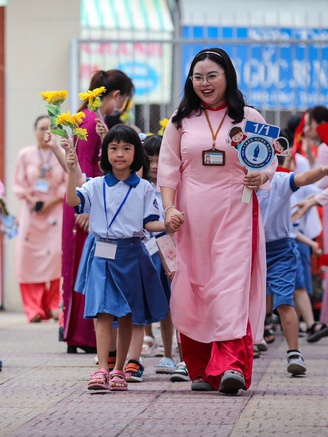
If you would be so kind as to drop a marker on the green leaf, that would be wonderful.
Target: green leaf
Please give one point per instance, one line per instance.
(60, 132)
(52, 110)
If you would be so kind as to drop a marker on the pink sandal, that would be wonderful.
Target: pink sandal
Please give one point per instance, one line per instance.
(98, 380)
(117, 381)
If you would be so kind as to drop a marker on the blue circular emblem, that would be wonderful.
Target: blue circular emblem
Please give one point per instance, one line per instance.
(256, 153)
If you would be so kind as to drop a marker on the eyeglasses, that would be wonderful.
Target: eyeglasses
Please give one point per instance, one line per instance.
(210, 78)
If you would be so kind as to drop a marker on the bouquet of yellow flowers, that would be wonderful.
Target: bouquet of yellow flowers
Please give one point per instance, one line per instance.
(58, 119)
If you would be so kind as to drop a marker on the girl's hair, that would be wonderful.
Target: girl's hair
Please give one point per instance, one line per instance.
(145, 166)
(319, 114)
(152, 144)
(191, 103)
(125, 133)
(112, 80)
(40, 118)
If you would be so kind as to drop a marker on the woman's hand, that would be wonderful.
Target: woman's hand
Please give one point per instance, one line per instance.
(101, 128)
(254, 179)
(50, 139)
(83, 221)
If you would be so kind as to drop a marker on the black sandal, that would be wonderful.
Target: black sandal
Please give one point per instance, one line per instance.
(317, 334)
(268, 330)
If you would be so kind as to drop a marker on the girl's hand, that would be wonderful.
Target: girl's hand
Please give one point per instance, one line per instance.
(316, 248)
(101, 128)
(303, 206)
(253, 180)
(83, 221)
(170, 275)
(71, 159)
(66, 143)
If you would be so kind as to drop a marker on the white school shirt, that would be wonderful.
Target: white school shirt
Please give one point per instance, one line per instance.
(275, 207)
(140, 207)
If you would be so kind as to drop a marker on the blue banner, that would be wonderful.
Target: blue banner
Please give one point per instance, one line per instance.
(289, 73)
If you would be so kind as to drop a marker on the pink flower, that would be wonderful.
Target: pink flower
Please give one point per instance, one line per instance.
(170, 253)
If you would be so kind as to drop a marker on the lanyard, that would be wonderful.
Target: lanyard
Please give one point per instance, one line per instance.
(214, 135)
(44, 166)
(119, 208)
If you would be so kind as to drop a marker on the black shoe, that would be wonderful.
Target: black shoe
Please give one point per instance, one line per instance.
(317, 335)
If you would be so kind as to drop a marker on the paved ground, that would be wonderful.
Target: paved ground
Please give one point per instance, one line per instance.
(43, 393)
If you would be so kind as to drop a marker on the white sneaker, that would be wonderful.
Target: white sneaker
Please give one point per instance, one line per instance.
(166, 365)
(296, 364)
(149, 346)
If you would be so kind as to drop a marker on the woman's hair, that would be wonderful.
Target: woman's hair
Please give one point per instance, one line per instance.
(112, 80)
(191, 102)
(125, 133)
(152, 144)
(41, 117)
(318, 114)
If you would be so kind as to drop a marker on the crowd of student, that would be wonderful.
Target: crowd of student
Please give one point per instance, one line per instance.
(127, 190)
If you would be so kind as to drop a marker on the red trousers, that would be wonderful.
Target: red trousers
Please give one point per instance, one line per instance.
(210, 360)
(41, 298)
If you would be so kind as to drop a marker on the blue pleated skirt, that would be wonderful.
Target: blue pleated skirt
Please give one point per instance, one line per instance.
(129, 284)
(83, 265)
(163, 276)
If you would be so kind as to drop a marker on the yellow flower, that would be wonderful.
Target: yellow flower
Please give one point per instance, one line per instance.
(67, 119)
(94, 104)
(82, 134)
(93, 98)
(54, 97)
(163, 123)
(124, 117)
(78, 117)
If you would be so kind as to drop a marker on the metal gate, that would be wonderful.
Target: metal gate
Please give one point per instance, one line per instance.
(280, 71)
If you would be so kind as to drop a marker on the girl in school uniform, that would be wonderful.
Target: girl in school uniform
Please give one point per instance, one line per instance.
(121, 275)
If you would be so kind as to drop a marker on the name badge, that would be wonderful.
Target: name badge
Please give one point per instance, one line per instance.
(151, 246)
(213, 157)
(106, 249)
(41, 185)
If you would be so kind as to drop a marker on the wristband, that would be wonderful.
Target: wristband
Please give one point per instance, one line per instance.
(166, 209)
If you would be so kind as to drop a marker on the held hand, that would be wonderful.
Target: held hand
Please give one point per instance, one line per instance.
(173, 220)
(83, 221)
(101, 128)
(253, 180)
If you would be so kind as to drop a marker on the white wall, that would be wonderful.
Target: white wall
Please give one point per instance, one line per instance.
(38, 35)
(255, 12)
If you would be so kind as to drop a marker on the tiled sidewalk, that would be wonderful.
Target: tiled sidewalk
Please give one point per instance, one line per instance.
(43, 393)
